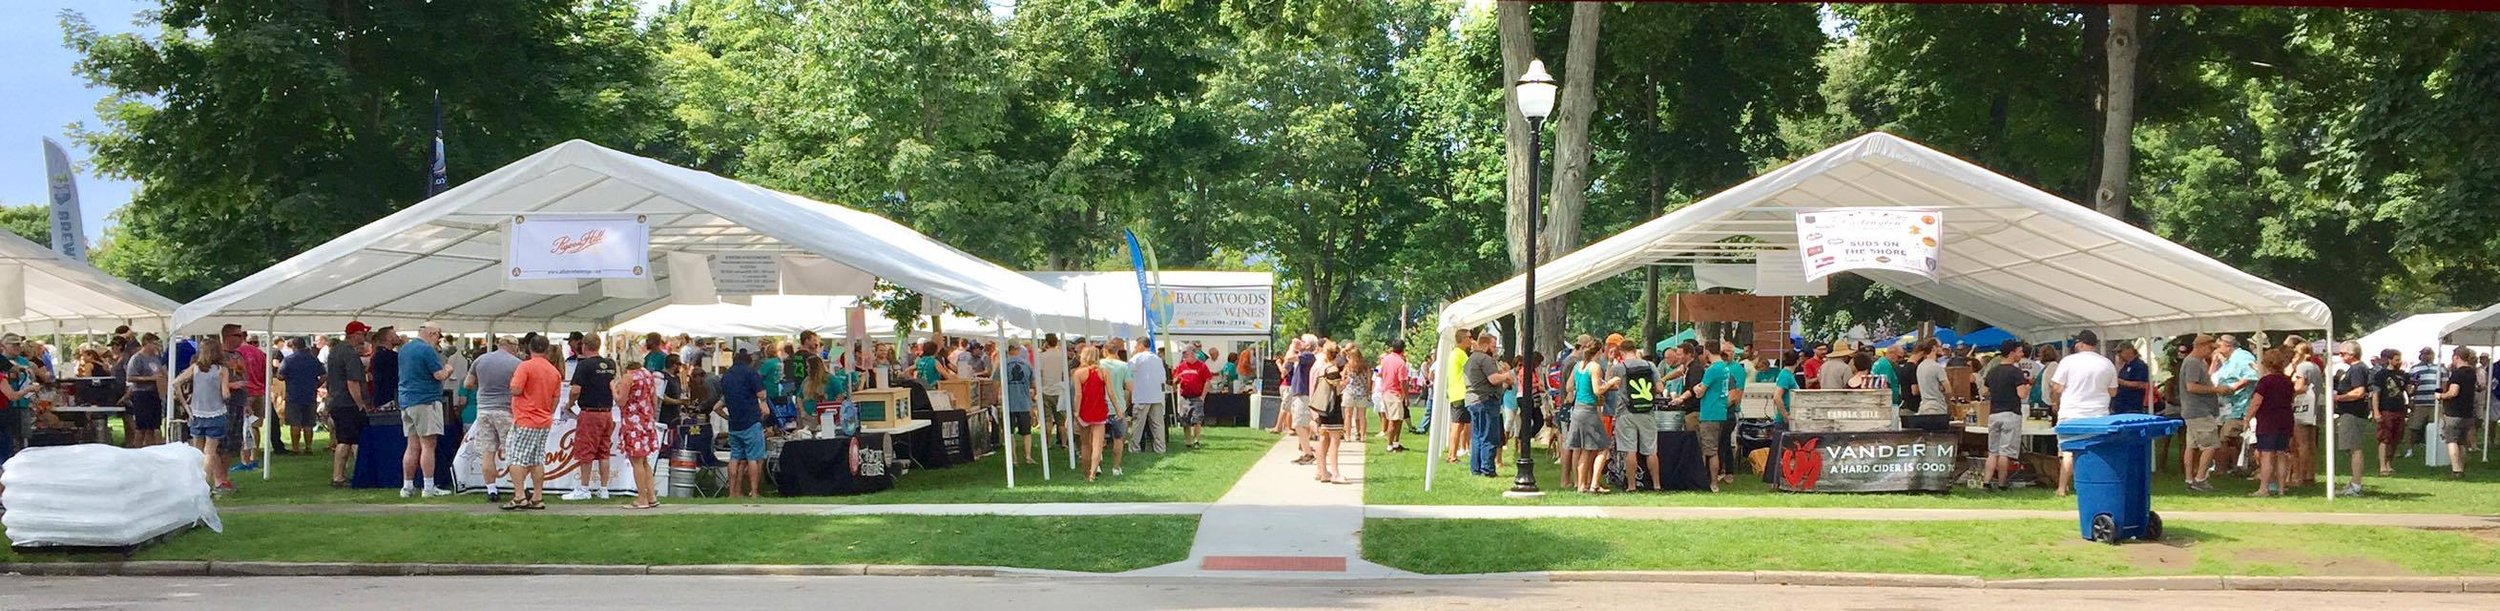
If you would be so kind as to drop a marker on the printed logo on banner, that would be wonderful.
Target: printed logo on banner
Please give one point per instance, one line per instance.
(1903, 240)
(1217, 311)
(578, 246)
(1868, 462)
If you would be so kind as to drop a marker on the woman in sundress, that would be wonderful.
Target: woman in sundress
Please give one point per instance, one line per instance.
(638, 428)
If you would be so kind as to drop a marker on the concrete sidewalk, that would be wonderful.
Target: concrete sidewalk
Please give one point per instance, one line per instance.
(611, 508)
(2407, 520)
(1279, 522)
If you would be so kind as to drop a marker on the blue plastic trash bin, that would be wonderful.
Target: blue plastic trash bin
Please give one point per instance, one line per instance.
(2113, 480)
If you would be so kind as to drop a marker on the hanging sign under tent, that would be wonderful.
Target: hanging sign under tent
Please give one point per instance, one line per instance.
(578, 246)
(1902, 240)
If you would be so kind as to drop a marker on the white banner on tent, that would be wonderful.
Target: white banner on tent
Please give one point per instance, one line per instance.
(1891, 239)
(1219, 311)
(569, 246)
(746, 273)
(12, 290)
(1708, 276)
(812, 275)
(563, 472)
(1777, 273)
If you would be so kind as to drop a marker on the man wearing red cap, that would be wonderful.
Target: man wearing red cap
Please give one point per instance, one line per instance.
(344, 374)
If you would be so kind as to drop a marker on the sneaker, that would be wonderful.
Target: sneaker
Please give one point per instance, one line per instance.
(2352, 490)
(578, 494)
(243, 468)
(435, 492)
(494, 497)
(407, 491)
(2408, 453)
(1115, 472)
(603, 494)
(2200, 486)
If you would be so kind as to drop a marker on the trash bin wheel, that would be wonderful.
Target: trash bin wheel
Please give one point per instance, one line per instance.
(2104, 529)
(2152, 526)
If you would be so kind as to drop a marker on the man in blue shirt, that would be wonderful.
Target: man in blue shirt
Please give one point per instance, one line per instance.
(2237, 375)
(421, 376)
(2135, 379)
(302, 373)
(742, 404)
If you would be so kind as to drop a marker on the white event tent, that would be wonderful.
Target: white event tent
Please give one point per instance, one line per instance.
(2013, 256)
(2414, 333)
(441, 259)
(57, 294)
(1111, 298)
(2481, 328)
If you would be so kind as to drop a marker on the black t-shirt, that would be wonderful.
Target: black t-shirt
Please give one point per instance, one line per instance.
(2395, 388)
(593, 375)
(2355, 376)
(2005, 390)
(2467, 383)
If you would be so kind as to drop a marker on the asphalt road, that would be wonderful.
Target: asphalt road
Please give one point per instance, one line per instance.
(1091, 594)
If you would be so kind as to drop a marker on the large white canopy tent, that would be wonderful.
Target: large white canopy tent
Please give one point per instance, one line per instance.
(2480, 328)
(2414, 333)
(2013, 256)
(438, 260)
(441, 259)
(64, 295)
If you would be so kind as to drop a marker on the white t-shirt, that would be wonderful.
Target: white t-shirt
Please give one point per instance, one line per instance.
(1145, 379)
(2087, 378)
(1052, 366)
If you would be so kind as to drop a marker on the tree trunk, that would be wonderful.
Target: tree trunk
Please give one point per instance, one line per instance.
(2118, 125)
(1569, 197)
(1518, 47)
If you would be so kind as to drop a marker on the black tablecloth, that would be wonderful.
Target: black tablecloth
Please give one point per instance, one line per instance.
(1227, 409)
(945, 442)
(815, 467)
(1679, 462)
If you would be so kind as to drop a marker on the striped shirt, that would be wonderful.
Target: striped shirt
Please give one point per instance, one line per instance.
(2426, 380)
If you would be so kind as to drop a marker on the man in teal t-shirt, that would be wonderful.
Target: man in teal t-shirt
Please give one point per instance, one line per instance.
(1883, 371)
(1717, 380)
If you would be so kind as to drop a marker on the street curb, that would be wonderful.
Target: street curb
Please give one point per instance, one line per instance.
(1877, 580)
(801, 570)
(1719, 577)
(2347, 584)
(2178, 583)
(875, 570)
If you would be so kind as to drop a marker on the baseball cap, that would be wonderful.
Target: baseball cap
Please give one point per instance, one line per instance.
(358, 327)
(1614, 340)
(2086, 336)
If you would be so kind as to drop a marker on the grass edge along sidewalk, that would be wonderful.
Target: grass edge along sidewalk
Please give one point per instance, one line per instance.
(1098, 544)
(1989, 549)
(1398, 479)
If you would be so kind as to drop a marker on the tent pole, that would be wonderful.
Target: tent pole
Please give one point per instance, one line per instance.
(268, 401)
(1006, 433)
(2330, 422)
(1041, 413)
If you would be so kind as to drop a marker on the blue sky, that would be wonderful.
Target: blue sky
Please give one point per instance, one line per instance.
(44, 97)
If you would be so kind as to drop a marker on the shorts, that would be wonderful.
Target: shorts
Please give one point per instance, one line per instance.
(347, 424)
(2455, 429)
(2203, 433)
(2005, 434)
(1458, 413)
(2352, 433)
(2391, 428)
(1020, 422)
(1193, 411)
(527, 447)
(2234, 429)
(147, 411)
(302, 414)
(1117, 429)
(210, 427)
(747, 444)
(422, 420)
(1636, 434)
(2274, 442)
(491, 429)
(1394, 409)
(594, 436)
(1710, 433)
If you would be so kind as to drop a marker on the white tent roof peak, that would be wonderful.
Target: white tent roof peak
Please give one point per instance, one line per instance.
(64, 295)
(2014, 256)
(438, 259)
(2480, 329)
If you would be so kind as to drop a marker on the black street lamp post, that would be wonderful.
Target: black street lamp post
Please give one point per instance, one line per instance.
(1535, 94)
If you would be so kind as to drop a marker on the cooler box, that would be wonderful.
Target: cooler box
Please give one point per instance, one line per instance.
(2113, 474)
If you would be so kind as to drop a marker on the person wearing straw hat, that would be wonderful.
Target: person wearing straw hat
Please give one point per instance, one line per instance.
(1836, 371)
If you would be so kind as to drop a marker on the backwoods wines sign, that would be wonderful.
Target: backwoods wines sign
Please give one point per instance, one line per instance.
(1865, 462)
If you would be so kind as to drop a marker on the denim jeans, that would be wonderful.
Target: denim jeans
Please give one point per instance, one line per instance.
(1487, 420)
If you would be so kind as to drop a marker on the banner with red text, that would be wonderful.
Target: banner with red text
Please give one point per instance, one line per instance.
(576, 246)
(1890, 239)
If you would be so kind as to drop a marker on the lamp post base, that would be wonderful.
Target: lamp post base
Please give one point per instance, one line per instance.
(1530, 493)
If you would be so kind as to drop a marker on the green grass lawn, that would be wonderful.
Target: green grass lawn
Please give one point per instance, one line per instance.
(1990, 549)
(1184, 475)
(1093, 544)
(1397, 479)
